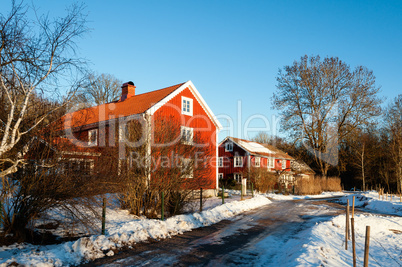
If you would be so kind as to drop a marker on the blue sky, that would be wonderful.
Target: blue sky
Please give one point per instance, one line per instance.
(232, 50)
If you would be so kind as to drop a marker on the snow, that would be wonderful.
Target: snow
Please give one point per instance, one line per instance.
(317, 243)
(323, 244)
(124, 231)
(255, 147)
(370, 201)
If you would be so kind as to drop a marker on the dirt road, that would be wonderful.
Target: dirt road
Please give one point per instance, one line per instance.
(229, 242)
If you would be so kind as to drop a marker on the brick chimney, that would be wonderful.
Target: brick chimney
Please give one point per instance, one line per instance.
(127, 90)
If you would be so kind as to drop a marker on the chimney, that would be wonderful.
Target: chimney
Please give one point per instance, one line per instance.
(127, 90)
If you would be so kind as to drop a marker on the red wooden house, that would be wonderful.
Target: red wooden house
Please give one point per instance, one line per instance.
(179, 105)
(236, 156)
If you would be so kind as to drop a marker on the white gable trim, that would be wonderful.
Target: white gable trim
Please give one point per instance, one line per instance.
(197, 96)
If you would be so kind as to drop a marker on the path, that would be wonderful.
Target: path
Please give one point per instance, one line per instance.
(229, 242)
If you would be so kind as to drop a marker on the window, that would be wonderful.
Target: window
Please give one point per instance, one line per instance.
(238, 161)
(257, 162)
(186, 106)
(283, 164)
(271, 162)
(238, 177)
(93, 137)
(229, 146)
(186, 135)
(220, 176)
(220, 162)
(80, 167)
(187, 168)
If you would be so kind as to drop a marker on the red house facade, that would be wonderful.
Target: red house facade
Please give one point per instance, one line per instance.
(167, 117)
(236, 156)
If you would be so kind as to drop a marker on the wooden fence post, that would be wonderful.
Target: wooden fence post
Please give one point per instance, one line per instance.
(366, 246)
(252, 190)
(163, 207)
(201, 200)
(1, 212)
(353, 207)
(348, 218)
(223, 195)
(346, 226)
(103, 216)
(353, 241)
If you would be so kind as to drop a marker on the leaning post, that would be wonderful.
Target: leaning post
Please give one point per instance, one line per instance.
(366, 246)
(353, 241)
(103, 216)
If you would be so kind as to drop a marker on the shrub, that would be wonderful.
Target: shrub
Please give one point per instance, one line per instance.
(317, 185)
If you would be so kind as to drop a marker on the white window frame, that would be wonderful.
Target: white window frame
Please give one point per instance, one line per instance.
(238, 161)
(186, 106)
(257, 161)
(271, 163)
(186, 162)
(283, 164)
(93, 141)
(189, 134)
(238, 177)
(220, 176)
(228, 147)
(220, 162)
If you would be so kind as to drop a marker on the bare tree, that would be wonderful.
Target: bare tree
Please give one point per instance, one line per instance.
(99, 89)
(393, 119)
(174, 166)
(33, 55)
(322, 102)
(364, 146)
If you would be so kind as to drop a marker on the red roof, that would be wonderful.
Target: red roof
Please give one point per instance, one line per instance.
(134, 105)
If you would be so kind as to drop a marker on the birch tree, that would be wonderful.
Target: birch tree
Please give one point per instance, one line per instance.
(324, 101)
(33, 56)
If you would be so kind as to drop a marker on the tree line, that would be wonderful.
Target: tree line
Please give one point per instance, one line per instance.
(334, 120)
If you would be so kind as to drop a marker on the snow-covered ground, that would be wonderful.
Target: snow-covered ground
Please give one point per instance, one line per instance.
(324, 245)
(319, 244)
(124, 230)
(371, 201)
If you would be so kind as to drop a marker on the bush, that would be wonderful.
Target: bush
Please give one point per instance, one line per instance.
(317, 185)
(262, 179)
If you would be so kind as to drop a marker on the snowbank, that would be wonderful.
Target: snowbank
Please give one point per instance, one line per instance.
(121, 233)
(323, 244)
(369, 200)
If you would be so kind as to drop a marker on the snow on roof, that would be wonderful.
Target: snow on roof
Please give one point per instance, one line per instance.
(255, 147)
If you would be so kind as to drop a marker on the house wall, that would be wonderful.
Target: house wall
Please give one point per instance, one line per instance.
(203, 128)
(228, 169)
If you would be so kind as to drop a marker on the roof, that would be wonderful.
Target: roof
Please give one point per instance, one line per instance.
(259, 149)
(136, 104)
(301, 167)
